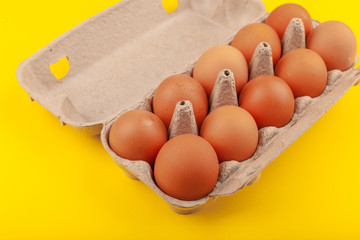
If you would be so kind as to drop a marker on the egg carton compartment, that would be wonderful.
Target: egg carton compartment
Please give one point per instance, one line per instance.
(118, 57)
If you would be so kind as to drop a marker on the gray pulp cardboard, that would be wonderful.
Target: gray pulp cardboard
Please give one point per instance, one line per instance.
(118, 57)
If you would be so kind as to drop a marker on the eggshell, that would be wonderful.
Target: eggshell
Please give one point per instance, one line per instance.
(304, 71)
(178, 88)
(248, 38)
(214, 60)
(269, 100)
(335, 42)
(232, 132)
(280, 17)
(186, 167)
(137, 135)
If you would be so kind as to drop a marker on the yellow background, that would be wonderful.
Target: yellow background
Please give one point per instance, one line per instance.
(57, 183)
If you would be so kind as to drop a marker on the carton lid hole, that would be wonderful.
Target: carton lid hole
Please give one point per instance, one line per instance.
(60, 68)
(170, 5)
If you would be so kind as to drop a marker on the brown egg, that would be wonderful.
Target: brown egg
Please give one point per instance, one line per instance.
(269, 100)
(304, 71)
(186, 167)
(232, 132)
(280, 17)
(216, 59)
(177, 88)
(335, 42)
(247, 39)
(137, 135)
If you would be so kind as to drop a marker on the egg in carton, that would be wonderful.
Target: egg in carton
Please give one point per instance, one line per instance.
(234, 175)
(118, 55)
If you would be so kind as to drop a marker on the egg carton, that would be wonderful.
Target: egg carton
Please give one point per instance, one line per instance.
(118, 57)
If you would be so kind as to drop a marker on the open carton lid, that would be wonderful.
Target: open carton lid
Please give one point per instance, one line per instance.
(120, 54)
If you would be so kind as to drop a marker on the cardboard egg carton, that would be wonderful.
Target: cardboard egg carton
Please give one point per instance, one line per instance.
(118, 57)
